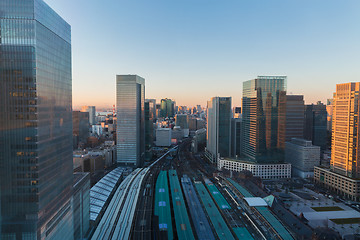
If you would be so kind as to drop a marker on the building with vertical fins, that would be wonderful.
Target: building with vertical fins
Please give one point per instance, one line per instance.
(36, 168)
(130, 132)
(218, 141)
(264, 119)
(345, 157)
(344, 173)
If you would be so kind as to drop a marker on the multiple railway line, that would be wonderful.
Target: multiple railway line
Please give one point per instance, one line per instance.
(151, 203)
(117, 220)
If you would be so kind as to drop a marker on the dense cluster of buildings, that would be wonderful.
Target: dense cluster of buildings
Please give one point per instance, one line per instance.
(49, 153)
(266, 127)
(274, 132)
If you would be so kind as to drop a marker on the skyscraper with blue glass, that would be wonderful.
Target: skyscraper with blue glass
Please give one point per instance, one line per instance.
(35, 122)
(264, 119)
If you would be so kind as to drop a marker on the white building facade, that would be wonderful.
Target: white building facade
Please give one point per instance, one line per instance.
(264, 171)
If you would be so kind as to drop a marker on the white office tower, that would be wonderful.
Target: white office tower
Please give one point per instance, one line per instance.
(130, 97)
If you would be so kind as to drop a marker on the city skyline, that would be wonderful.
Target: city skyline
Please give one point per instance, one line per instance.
(186, 48)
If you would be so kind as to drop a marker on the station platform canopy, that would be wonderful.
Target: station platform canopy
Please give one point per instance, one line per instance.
(256, 202)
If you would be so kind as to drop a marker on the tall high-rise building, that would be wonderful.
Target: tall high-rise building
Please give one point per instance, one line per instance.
(152, 108)
(218, 139)
(130, 132)
(80, 127)
(167, 108)
(36, 168)
(344, 173)
(158, 110)
(92, 113)
(345, 155)
(182, 120)
(294, 117)
(316, 124)
(263, 114)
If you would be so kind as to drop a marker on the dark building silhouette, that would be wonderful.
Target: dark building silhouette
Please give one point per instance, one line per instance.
(315, 128)
(80, 127)
(294, 117)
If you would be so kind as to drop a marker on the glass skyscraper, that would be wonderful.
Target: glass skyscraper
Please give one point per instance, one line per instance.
(218, 128)
(167, 108)
(130, 131)
(264, 119)
(36, 174)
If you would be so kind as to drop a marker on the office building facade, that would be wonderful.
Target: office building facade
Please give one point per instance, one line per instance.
(316, 124)
(92, 113)
(152, 108)
(182, 120)
(36, 169)
(80, 128)
(130, 132)
(236, 137)
(149, 130)
(345, 155)
(263, 114)
(264, 171)
(167, 108)
(344, 173)
(218, 141)
(303, 157)
(294, 117)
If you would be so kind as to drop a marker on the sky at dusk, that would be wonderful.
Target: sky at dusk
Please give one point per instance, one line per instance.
(192, 50)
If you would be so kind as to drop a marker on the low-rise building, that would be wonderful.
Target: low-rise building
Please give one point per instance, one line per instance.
(88, 161)
(264, 171)
(303, 156)
(199, 140)
(342, 185)
(177, 133)
(163, 137)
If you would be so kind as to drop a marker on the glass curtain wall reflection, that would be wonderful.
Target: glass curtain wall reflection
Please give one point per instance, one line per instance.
(218, 128)
(130, 97)
(35, 122)
(264, 112)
